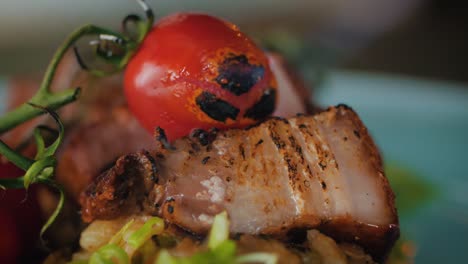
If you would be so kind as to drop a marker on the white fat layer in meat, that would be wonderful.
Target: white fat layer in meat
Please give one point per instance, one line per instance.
(320, 171)
(206, 219)
(253, 207)
(313, 195)
(287, 159)
(299, 172)
(361, 180)
(336, 183)
(216, 189)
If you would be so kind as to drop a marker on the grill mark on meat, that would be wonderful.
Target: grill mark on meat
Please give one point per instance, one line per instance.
(279, 129)
(154, 169)
(241, 150)
(121, 186)
(259, 142)
(324, 185)
(262, 160)
(269, 188)
(204, 137)
(356, 133)
(311, 154)
(275, 137)
(333, 179)
(309, 177)
(308, 211)
(205, 160)
(162, 138)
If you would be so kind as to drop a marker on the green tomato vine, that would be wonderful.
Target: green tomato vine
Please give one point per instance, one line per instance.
(41, 169)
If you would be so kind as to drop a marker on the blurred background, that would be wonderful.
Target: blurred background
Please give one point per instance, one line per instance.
(423, 38)
(402, 64)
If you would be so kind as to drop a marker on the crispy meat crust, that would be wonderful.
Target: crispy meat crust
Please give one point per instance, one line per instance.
(266, 179)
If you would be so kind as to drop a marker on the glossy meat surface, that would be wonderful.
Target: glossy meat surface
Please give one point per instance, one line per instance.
(320, 171)
(99, 127)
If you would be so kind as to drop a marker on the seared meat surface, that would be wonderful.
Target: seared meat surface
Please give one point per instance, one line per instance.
(283, 175)
(93, 146)
(100, 127)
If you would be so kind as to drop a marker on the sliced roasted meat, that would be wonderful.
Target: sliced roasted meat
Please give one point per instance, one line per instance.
(91, 147)
(100, 128)
(293, 95)
(283, 175)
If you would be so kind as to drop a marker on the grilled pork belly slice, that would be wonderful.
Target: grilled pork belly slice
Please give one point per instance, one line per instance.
(99, 121)
(93, 146)
(283, 175)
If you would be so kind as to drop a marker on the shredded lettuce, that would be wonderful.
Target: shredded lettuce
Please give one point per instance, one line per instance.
(219, 231)
(109, 254)
(166, 258)
(412, 190)
(152, 227)
(118, 237)
(220, 249)
(224, 253)
(121, 246)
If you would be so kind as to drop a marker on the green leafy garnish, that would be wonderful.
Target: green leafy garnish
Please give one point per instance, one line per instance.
(219, 231)
(152, 227)
(220, 249)
(225, 253)
(41, 169)
(412, 191)
(109, 254)
(124, 243)
(118, 237)
(403, 252)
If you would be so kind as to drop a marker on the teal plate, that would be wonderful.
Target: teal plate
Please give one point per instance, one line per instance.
(421, 125)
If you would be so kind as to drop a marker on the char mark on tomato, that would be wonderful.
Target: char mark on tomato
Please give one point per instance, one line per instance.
(264, 107)
(216, 108)
(237, 75)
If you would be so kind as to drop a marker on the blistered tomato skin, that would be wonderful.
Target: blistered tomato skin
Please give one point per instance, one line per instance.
(197, 71)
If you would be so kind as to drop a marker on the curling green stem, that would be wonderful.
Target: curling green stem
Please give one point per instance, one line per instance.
(72, 38)
(12, 183)
(149, 19)
(26, 112)
(16, 158)
(44, 97)
(41, 170)
(57, 210)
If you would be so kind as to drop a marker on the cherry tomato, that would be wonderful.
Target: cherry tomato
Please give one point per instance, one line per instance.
(197, 71)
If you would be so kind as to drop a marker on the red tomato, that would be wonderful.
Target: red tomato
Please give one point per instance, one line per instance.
(197, 71)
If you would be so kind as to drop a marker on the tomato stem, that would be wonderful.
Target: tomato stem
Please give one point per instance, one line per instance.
(16, 158)
(41, 169)
(149, 18)
(26, 111)
(77, 34)
(12, 183)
